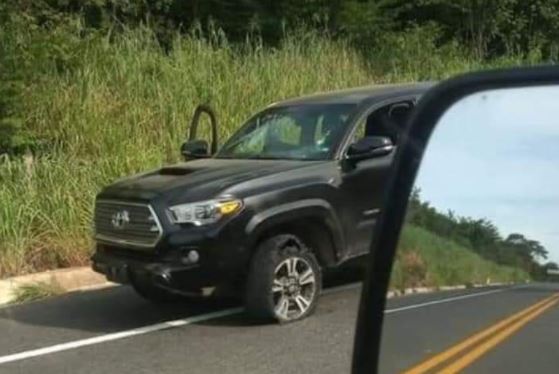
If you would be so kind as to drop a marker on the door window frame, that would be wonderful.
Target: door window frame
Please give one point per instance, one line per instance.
(364, 113)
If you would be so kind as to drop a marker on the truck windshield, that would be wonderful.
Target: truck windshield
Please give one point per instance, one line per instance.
(301, 132)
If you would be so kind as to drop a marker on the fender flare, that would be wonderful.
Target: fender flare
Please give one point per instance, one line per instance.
(309, 208)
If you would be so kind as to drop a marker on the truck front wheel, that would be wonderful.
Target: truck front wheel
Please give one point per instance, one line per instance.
(284, 280)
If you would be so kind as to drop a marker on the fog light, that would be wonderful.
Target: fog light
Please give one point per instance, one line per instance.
(191, 258)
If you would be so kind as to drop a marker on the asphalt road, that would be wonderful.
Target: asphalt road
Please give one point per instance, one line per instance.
(114, 331)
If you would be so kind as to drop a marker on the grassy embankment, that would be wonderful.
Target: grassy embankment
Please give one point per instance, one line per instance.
(424, 259)
(123, 105)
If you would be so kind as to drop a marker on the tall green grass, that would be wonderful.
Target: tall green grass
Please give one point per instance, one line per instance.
(122, 104)
(125, 106)
(424, 259)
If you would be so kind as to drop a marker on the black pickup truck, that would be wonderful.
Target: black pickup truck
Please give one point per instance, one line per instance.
(293, 192)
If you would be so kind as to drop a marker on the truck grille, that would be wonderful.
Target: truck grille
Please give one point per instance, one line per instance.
(128, 224)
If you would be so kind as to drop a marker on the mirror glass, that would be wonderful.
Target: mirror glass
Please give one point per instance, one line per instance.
(193, 149)
(472, 286)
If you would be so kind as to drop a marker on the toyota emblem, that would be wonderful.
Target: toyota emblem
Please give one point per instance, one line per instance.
(120, 219)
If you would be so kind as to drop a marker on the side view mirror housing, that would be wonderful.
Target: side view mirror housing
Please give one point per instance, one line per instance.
(369, 147)
(194, 149)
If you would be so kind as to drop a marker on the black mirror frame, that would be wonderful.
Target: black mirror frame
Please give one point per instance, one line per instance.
(349, 161)
(412, 145)
(193, 129)
(193, 156)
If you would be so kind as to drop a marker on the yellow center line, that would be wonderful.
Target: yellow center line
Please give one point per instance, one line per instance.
(491, 343)
(476, 338)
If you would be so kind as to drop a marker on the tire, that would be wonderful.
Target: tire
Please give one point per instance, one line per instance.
(149, 291)
(284, 280)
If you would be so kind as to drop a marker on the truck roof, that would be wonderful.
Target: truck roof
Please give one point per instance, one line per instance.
(359, 94)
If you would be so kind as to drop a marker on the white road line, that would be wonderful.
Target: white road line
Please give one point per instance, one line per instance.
(191, 320)
(447, 300)
(420, 305)
(117, 335)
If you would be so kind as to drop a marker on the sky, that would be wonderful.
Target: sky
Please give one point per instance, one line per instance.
(495, 155)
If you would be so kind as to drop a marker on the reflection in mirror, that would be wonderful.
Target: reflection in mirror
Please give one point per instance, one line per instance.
(481, 240)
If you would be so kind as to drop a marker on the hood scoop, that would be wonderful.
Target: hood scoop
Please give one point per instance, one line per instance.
(174, 171)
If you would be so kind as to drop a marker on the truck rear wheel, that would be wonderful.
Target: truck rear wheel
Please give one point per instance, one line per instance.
(284, 280)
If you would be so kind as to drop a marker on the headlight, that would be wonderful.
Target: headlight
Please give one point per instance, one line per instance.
(204, 212)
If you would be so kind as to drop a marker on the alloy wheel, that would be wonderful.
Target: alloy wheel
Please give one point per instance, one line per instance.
(294, 287)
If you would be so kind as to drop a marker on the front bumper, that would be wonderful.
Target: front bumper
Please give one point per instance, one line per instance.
(184, 267)
(121, 267)
(221, 256)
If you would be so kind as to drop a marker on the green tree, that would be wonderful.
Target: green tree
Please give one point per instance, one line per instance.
(480, 235)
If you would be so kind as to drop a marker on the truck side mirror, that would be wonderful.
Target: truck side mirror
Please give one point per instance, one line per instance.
(194, 149)
(193, 132)
(369, 147)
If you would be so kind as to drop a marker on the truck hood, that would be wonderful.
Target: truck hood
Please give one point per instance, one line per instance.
(195, 180)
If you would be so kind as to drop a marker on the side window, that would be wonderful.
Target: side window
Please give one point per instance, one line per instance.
(387, 121)
(360, 132)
